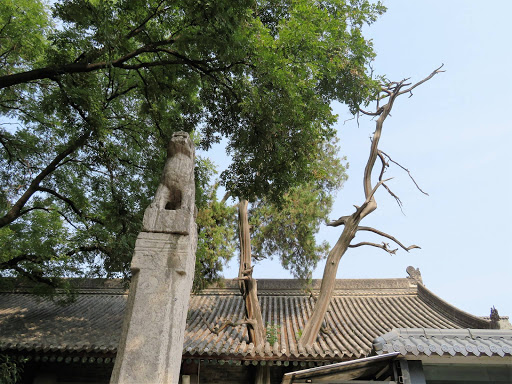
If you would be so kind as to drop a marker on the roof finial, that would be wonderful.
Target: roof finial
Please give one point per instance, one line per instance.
(414, 273)
(495, 318)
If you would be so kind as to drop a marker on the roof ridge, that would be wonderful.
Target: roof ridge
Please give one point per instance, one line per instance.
(457, 315)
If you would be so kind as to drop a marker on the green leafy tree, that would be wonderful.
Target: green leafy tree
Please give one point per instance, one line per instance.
(287, 230)
(90, 96)
(216, 239)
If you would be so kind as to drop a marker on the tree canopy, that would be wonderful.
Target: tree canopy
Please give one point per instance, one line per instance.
(91, 92)
(287, 229)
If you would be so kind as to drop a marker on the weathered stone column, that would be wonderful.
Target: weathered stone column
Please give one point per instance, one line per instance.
(162, 267)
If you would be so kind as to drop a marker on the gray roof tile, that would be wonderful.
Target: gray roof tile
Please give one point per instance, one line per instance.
(360, 311)
(445, 342)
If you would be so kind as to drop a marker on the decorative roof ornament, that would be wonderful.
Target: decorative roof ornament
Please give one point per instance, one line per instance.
(414, 273)
(495, 318)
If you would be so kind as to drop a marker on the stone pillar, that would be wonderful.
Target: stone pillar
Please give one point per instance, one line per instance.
(162, 267)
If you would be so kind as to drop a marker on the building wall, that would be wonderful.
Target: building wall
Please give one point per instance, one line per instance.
(230, 374)
(79, 373)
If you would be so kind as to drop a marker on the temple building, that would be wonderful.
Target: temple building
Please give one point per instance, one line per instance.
(382, 330)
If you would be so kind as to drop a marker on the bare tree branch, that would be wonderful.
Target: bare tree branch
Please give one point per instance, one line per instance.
(397, 199)
(384, 246)
(405, 169)
(341, 221)
(370, 229)
(435, 72)
(381, 182)
(226, 323)
(384, 165)
(351, 223)
(377, 113)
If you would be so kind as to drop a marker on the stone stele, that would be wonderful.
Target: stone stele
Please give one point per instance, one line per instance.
(162, 267)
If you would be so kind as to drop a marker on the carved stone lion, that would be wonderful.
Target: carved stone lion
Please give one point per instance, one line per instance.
(176, 190)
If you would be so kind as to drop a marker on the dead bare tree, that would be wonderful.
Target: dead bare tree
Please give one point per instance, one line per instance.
(389, 92)
(248, 286)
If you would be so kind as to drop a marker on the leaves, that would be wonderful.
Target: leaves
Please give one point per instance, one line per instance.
(216, 239)
(287, 230)
(90, 96)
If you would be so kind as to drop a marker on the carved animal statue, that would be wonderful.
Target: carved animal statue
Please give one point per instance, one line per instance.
(176, 189)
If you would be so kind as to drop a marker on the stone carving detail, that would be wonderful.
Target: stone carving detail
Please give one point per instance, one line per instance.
(162, 267)
(176, 189)
(173, 205)
(414, 273)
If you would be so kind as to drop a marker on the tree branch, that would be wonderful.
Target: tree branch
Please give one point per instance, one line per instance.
(70, 203)
(397, 199)
(377, 113)
(140, 27)
(435, 72)
(36, 277)
(76, 67)
(381, 182)
(15, 210)
(90, 248)
(405, 169)
(336, 223)
(226, 323)
(384, 246)
(11, 263)
(370, 229)
(27, 210)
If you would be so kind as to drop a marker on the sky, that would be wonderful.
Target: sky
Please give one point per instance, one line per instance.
(453, 134)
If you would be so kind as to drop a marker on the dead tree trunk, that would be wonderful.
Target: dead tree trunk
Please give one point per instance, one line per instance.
(248, 286)
(351, 223)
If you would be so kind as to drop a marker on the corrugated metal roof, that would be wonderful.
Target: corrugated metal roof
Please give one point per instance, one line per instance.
(447, 342)
(360, 311)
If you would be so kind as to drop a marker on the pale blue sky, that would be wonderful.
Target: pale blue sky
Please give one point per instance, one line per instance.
(453, 134)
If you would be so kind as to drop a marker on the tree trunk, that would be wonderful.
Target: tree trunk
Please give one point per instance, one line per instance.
(391, 92)
(314, 323)
(248, 286)
(351, 224)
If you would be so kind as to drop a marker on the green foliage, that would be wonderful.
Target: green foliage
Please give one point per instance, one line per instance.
(90, 96)
(272, 333)
(25, 24)
(287, 230)
(10, 369)
(216, 240)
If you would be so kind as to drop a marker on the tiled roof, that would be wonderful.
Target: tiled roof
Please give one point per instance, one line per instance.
(360, 311)
(447, 342)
